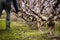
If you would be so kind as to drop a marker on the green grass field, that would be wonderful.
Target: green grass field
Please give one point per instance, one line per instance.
(21, 31)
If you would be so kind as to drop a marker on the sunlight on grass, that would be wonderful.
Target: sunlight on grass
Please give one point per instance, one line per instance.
(21, 31)
(2, 24)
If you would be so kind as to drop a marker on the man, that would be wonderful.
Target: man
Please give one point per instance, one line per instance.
(6, 4)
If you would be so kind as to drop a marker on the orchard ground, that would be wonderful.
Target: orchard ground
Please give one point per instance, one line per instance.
(21, 31)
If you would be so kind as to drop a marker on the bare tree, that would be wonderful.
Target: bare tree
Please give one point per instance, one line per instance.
(38, 11)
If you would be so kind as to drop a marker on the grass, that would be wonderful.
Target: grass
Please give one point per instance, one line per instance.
(21, 31)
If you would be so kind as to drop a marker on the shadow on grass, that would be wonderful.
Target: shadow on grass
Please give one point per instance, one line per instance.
(2, 30)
